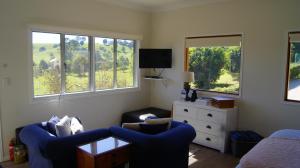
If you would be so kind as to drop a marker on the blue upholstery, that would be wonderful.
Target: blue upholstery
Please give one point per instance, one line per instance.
(46, 151)
(164, 150)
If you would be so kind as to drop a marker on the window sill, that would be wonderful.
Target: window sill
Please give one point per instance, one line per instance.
(211, 93)
(70, 96)
(288, 102)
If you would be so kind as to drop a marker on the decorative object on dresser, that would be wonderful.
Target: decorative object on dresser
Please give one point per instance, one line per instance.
(188, 77)
(194, 96)
(212, 125)
(222, 102)
(105, 153)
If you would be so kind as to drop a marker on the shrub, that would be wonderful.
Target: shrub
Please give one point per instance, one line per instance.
(295, 71)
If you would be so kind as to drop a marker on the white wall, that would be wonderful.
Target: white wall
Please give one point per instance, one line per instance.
(96, 111)
(264, 24)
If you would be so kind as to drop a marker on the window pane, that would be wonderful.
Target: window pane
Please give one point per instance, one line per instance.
(46, 63)
(216, 68)
(125, 60)
(294, 77)
(104, 58)
(77, 63)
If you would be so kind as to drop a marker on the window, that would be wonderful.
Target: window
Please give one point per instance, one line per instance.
(125, 64)
(89, 63)
(292, 89)
(216, 62)
(76, 63)
(46, 50)
(104, 63)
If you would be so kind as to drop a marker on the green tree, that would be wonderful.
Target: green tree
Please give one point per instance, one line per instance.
(235, 62)
(43, 65)
(80, 62)
(207, 63)
(42, 49)
(53, 81)
(123, 63)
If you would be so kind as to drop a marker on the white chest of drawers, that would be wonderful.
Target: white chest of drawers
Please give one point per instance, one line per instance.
(212, 125)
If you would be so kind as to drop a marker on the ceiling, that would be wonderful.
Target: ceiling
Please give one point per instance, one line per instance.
(159, 5)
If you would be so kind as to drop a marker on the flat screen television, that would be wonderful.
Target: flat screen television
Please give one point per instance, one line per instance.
(155, 58)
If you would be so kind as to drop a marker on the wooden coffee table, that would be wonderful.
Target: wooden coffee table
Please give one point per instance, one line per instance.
(105, 153)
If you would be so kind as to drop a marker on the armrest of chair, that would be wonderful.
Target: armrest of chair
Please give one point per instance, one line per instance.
(181, 134)
(34, 136)
(64, 146)
(138, 138)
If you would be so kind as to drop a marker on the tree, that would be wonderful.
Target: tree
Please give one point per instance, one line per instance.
(123, 63)
(42, 49)
(207, 64)
(43, 65)
(53, 81)
(295, 51)
(235, 59)
(79, 64)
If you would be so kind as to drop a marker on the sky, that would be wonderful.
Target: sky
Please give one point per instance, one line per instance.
(45, 38)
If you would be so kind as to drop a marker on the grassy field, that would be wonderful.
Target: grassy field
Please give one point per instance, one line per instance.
(74, 83)
(228, 83)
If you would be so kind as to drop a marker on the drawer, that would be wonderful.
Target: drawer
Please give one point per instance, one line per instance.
(212, 116)
(185, 111)
(208, 140)
(190, 121)
(209, 127)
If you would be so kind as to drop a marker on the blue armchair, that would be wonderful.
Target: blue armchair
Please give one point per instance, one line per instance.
(169, 149)
(46, 151)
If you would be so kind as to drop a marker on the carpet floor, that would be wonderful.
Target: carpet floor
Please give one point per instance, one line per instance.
(199, 157)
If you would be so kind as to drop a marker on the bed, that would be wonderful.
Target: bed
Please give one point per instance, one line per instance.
(279, 150)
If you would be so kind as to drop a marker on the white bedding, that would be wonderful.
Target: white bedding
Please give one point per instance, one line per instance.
(280, 150)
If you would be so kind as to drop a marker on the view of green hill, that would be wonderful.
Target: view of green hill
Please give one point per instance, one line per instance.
(47, 65)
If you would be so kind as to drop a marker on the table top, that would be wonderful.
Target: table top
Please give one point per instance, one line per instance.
(103, 145)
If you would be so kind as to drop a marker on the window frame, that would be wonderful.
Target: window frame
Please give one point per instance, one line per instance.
(186, 60)
(92, 91)
(287, 69)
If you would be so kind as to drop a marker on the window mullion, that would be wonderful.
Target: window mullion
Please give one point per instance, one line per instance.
(63, 65)
(92, 63)
(115, 63)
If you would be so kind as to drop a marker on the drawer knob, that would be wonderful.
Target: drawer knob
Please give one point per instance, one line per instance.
(209, 115)
(208, 139)
(209, 127)
(186, 110)
(185, 121)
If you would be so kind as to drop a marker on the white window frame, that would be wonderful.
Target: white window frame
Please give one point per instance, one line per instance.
(91, 34)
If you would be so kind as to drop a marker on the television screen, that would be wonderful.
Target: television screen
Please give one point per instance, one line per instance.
(155, 58)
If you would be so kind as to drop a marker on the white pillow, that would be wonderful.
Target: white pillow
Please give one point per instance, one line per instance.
(76, 127)
(63, 127)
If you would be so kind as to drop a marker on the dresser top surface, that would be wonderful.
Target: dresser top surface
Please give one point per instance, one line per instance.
(198, 105)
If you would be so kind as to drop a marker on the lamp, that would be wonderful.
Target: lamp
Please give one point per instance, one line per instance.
(188, 77)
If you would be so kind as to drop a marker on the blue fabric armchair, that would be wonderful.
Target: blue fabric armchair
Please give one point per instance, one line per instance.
(46, 151)
(169, 149)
